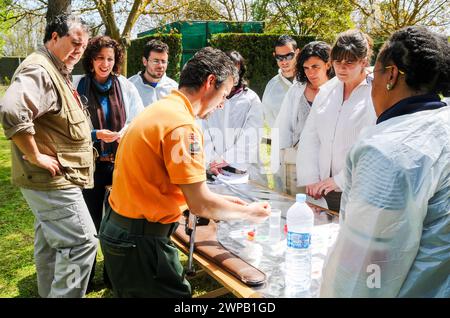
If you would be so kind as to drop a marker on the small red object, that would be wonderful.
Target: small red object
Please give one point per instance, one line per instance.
(285, 229)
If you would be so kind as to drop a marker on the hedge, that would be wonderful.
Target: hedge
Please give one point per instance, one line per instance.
(134, 59)
(257, 50)
(8, 66)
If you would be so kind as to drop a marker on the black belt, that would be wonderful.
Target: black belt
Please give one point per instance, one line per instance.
(107, 158)
(142, 226)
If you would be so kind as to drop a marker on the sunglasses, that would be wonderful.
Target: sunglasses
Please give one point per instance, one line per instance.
(286, 57)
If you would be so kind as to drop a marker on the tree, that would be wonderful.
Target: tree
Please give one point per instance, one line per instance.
(108, 9)
(194, 10)
(5, 23)
(321, 18)
(55, 7)
(24, 37)
(236, 10)
(380, 18)
(260, 11)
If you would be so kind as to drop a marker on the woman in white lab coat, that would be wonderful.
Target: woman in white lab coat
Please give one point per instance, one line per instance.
(341, 109)
(394, 236)
(313, 70)
(232, 134)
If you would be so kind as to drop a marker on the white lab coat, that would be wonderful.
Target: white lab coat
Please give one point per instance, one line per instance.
(273, 96)
(286, 133)
(395, 212)
(150, 94)
(292, 116)
(330, 131)
(131, 99)
(234, 132)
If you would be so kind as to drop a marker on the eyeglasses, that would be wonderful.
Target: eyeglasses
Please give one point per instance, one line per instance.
(369, 76)
(286, 57)
(156, 62)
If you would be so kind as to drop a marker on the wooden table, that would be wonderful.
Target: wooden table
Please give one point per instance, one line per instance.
(228, 281)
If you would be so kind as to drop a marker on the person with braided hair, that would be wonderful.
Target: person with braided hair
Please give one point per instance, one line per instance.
(395, 215)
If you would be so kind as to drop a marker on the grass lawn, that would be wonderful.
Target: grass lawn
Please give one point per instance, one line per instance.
(17, 270)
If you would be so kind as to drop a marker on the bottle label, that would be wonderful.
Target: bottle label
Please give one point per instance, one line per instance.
(298, 240)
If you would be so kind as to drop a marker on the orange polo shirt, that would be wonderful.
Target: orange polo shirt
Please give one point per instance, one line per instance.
(162, 148)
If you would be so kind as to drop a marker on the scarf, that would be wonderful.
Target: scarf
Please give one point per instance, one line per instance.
(95, 92)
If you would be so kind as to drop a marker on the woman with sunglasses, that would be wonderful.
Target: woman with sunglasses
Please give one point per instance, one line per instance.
(394, 239)
(313, 70)
(342, 108)
(112, 102)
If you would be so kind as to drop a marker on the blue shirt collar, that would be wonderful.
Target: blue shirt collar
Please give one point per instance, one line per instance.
(152, 84)
(412, 105)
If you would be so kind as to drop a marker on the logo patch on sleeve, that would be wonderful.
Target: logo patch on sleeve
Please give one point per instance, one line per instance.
(194, 144)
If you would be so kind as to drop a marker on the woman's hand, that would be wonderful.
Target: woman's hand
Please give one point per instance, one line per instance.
(327, 186)
(107, 135)
(216, 166)
(321, 188)
(313, 189)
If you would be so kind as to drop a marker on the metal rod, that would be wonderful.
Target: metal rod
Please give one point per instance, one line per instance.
(191, 270)
(235, 189)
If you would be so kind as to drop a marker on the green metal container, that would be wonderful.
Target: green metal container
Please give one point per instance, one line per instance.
(195, 34)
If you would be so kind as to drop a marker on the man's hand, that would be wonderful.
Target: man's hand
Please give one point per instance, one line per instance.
(47, 162)
(107, 135)
(258, 211)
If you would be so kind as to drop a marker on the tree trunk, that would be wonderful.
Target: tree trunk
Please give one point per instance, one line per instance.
(126, 43)
(125, 61)
(56, 7)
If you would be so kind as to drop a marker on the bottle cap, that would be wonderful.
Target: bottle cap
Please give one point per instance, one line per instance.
(300, 197)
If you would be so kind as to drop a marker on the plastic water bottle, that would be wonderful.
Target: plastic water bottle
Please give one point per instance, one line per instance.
(300, 221)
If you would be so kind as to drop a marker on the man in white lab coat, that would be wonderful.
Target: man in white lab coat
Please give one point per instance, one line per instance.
(285, 54)
(153, 83)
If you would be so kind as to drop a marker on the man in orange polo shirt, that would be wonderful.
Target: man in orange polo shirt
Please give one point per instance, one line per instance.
(159, 172)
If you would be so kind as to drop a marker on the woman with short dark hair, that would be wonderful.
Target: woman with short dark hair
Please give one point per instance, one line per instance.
(394, 239)
(313, 70)
(341, 110)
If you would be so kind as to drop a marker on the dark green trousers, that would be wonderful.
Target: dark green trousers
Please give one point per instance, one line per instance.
(141, 265)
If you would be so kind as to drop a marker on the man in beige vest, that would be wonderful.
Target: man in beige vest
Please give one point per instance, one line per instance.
(52, 158)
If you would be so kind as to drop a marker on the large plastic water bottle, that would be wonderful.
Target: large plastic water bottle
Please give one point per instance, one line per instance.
(300, 221)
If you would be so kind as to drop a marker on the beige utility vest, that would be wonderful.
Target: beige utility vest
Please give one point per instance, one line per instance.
(65, 135)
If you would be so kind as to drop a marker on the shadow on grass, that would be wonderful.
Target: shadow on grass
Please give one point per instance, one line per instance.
(27, 287)
(98, 288)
